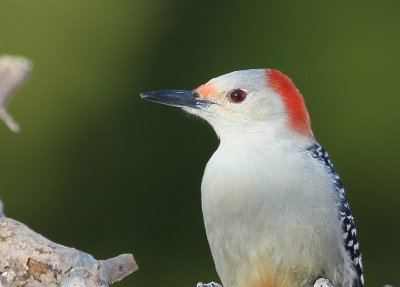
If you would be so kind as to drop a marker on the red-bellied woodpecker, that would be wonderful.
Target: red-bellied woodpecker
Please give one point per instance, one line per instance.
(274, 207)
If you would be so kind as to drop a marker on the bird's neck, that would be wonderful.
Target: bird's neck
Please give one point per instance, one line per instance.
(257, 137)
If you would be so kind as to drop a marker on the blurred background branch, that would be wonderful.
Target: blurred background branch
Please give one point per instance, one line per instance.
(13, 73)
(29, 259)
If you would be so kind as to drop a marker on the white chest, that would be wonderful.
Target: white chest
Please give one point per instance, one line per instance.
(261, 210)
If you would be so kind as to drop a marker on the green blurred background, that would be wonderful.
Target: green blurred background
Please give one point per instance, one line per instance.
(98, 169)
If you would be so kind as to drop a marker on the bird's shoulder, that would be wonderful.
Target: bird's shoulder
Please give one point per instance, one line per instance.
(347, 220)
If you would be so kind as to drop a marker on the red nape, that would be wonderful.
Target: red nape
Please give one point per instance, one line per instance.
(296, 109)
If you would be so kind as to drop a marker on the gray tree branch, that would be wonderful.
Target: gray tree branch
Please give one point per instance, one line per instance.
(26, 257)
(29, 259)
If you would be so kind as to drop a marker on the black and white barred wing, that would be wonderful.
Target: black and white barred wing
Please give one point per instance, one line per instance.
(347, 220)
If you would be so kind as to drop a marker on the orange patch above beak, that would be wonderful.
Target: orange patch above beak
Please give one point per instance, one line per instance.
(207, 91)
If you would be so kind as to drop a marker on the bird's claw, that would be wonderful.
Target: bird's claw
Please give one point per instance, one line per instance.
(322, 282)
(211, 284)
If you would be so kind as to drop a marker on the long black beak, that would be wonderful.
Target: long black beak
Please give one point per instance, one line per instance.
(176, 98)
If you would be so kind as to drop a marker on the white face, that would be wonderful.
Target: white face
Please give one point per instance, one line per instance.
(243, 101)
(239, 98)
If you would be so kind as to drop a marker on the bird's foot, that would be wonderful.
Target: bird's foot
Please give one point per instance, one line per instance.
(211, 284)
(322, 282)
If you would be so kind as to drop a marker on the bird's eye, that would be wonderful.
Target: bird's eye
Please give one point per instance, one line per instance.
(237, 96)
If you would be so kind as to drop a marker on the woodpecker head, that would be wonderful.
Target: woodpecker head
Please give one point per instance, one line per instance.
(244, 101)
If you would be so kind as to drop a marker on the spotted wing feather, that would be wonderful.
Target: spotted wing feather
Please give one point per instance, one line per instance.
(347, 220)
